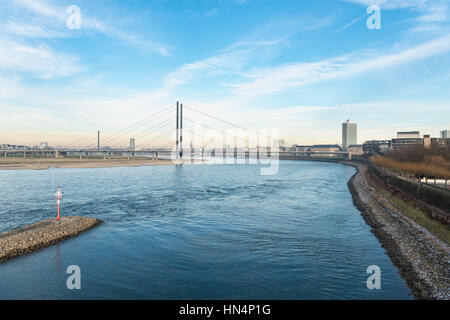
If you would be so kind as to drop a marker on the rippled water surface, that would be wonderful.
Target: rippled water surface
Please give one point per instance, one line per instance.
(197, 231)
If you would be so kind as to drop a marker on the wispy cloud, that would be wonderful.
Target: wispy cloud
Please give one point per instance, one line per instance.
(223, 63)
(391, 4)
(436, 13)
(431, 13)
(32, 31)
(52, 22)
(41, 7)
(40, 60)
(399, 105)
(29, 28)
(231, 61)
(348, 25)
(276, 79)
(289, 111)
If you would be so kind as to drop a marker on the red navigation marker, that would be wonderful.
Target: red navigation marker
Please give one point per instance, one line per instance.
(58, 201)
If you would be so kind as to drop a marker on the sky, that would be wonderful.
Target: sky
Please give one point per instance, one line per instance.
(300, 67)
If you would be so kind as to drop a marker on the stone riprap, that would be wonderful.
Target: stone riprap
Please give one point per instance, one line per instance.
(422, 259)
(42, 234)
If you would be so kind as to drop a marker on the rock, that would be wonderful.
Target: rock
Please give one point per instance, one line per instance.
(422, 261)
(42, 234)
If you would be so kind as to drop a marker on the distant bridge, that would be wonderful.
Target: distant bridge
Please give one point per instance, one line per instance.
(156, 153)
(155, 137)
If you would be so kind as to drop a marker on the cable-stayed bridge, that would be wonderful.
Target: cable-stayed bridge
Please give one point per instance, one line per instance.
(176, 131)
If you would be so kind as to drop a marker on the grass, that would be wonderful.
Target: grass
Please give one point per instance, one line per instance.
(417, 215)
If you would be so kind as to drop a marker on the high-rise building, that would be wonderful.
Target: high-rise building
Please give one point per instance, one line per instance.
(132, 144)
(445, 134)
(349, 134)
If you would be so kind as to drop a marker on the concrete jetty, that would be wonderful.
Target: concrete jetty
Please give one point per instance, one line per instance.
(42, 234)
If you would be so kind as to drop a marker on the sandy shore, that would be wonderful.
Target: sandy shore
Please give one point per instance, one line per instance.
(422, 259)
(42, 164)
(43, 234)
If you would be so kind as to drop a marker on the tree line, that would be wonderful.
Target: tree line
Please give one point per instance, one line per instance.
(418, 161)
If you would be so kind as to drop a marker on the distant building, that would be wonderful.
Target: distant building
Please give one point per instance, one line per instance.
(408, 135)
(440, 142)
(349, 134)
(325, 148)
(280, 143)
(427, 141)
(132, 144)
(13, 147)
(298, 148)
(445, 134)
(43, 145)
(376, 146)
(355, 149)
(407, 139)
(401, 143)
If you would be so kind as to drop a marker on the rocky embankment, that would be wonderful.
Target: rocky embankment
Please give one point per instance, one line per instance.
(24, 240)
(422, 259)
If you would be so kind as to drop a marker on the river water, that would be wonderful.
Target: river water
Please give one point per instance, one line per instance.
(197, 232)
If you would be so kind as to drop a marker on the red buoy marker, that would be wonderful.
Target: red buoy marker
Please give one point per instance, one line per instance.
(58, 201)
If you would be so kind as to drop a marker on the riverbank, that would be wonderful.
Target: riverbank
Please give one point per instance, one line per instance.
(44, 163)
(42, 234)
(422, 258)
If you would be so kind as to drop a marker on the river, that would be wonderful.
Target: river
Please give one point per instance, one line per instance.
(197, 232)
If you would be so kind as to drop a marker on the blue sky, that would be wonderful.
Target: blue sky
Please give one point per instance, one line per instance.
(302, 67)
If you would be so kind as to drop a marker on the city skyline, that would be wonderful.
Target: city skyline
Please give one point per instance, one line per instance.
(302, 68)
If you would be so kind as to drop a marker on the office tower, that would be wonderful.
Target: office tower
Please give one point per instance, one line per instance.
(349, 134)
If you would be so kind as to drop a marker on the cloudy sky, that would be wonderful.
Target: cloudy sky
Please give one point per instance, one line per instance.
(302, 67)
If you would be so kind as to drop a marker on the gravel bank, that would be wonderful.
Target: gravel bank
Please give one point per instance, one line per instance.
(422, 259)
(43, 234)
(43, 164)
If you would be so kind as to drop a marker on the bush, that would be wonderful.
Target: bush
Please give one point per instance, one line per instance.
(433, 163)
